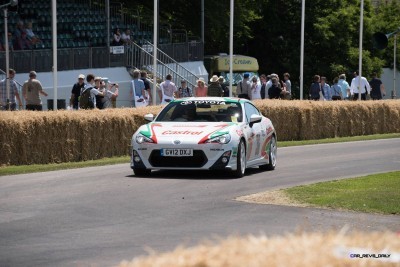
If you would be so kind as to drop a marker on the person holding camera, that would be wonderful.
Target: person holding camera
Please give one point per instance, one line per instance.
(110, 96)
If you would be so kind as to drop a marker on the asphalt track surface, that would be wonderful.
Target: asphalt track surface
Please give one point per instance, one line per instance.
(99, 216)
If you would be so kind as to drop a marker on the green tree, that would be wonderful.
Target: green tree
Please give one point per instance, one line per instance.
(331, 38)
(270, 31)
(387, 20)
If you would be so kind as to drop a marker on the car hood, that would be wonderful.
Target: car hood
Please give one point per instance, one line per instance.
(191, 132)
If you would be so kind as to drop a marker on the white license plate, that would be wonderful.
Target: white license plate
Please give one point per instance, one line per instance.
(176, 152)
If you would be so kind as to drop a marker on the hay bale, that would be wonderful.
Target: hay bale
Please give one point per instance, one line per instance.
(304, 249)
(29, 137)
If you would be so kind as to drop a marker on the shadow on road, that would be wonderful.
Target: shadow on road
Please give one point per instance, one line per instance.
(195, 174)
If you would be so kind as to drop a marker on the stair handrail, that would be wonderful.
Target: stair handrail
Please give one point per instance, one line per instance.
(173, 61)
(162, 76)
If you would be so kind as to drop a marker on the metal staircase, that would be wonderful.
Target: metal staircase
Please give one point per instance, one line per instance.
(142, 58)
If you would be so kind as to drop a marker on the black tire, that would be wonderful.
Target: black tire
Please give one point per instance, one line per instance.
(142, 172)
(273, 149)
(241, 160)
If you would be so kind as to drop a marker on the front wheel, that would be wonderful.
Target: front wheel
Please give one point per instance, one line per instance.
(273, 150)
(241, 160)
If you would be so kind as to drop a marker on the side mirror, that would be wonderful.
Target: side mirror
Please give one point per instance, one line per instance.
(255, 119)
(149, 117)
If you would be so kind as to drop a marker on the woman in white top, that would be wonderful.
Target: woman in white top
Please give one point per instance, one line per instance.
(126, 36)
(117, 38)
(255, 89)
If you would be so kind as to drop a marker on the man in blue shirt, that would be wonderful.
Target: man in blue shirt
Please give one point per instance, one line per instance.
(137, 90)
(345, 86)
(326, 89)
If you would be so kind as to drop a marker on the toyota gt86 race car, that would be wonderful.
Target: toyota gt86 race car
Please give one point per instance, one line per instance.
(210, 133)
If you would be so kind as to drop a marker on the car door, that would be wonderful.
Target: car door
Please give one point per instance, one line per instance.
(253, 133)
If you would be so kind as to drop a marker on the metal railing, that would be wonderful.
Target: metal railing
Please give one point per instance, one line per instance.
(172, 63)
(143, 59)
(68, 59)
(41, 60)
(184, 52)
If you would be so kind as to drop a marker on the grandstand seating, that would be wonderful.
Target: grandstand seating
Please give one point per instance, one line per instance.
(78, 25)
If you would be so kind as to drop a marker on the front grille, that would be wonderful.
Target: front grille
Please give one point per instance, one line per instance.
(196, 161)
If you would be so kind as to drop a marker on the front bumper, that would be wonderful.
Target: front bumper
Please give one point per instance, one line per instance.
(210, 158)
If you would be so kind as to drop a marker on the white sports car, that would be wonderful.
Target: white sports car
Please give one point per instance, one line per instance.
(210, 133)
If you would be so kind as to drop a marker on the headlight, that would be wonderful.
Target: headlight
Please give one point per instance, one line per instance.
(140, 139)
(222, 139)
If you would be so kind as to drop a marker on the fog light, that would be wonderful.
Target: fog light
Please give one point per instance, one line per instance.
(227, 154)
(136, 159)
(224, 160)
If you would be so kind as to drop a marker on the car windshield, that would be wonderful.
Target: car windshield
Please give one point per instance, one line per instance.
(201, 111)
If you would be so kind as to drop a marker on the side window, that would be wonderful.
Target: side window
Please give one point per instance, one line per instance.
(250, 110)
(170, 112)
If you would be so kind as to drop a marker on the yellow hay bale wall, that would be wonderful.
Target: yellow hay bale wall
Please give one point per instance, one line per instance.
(306, 120)
(28, 137)
(296, 250)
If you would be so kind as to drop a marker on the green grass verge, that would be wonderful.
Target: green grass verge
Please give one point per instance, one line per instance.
(10, 170)
(337, 140)
(377, 193)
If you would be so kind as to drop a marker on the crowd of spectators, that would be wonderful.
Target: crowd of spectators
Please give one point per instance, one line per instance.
(359, 88)
(22, 38)
(103, 94)
(265, 87)
(95, 93)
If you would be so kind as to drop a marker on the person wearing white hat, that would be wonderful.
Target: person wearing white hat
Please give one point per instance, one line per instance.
(76, 92)
(201, 89)
(214, 88)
